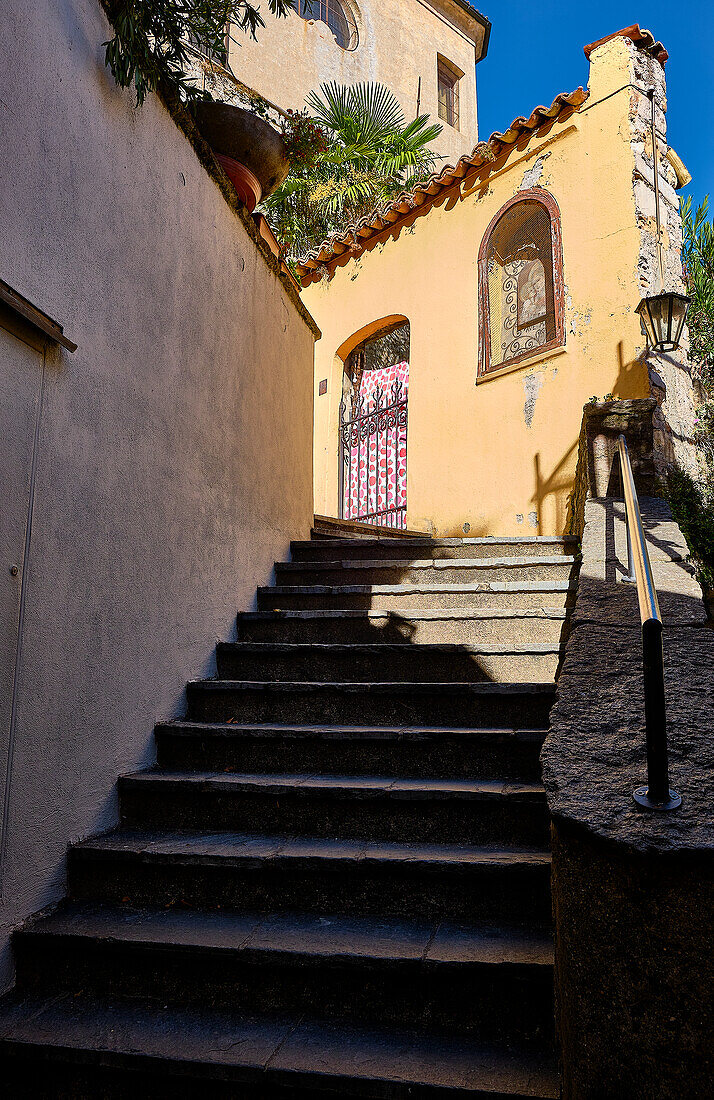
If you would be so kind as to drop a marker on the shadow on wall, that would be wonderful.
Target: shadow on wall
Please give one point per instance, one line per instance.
(631, 382)
(632, 378)
(554, 485)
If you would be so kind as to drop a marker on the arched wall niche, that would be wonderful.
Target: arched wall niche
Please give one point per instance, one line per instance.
(513, 323)
(372, 422)
(374, 327)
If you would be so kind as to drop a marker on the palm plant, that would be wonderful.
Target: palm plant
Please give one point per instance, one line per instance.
(372, 154)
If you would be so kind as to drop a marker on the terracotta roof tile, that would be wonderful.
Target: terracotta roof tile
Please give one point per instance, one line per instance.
(643, 39)
(354, 237)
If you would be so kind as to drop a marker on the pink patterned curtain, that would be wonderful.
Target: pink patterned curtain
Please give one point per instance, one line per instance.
(377, 486)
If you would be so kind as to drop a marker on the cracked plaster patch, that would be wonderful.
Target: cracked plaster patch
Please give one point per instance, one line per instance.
(532, 384)
(532, 175)
(577, 319)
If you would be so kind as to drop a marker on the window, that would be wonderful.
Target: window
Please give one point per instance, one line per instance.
(448, 77)
(338, 18)
(521, 281)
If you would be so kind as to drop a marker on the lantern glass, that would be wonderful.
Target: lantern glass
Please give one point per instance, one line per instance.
(663, 317)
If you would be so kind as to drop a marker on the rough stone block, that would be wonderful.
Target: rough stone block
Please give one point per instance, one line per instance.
(604, 423)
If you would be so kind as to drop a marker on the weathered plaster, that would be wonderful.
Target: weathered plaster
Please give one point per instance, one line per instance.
(164, 466)
(532, 385)
(669, 373)
(398, 45)
(471, 456)
(533, 175)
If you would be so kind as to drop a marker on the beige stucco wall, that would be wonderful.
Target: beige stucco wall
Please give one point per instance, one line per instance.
(398, 44)
(150, 479)
(500, 455)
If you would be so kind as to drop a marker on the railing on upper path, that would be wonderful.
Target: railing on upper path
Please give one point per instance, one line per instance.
(656, 795)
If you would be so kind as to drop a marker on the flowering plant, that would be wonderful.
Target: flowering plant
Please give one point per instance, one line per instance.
(305, 140)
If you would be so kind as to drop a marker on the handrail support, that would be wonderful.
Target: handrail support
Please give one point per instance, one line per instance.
(656, 795)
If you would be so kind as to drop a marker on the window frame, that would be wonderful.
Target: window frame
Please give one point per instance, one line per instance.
(311, 12)
(550, 205)
(454, 75)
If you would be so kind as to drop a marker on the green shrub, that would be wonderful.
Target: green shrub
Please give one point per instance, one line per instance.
(694, 513)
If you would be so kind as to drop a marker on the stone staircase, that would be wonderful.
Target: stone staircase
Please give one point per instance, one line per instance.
(336, 879)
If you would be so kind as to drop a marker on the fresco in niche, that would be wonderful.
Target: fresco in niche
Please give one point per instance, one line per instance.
(519, 283)
(532, 303)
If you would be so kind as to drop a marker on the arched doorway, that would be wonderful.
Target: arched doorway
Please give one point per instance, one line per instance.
(373, 429)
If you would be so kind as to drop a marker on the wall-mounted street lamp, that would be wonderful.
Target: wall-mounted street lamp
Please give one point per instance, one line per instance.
(663, 314)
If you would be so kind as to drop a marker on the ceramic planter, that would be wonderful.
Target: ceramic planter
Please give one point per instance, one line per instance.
(250, 151)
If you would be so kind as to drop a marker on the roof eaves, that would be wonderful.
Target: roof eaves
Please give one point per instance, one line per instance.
(640, 37)
(354, 237)
(477, 17)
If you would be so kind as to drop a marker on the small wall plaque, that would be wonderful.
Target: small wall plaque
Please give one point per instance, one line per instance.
(323, 386)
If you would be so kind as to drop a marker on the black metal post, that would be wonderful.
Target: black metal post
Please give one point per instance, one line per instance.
(656, 795)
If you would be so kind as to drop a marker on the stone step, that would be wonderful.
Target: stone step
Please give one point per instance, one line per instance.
(71, 1047)
(384, 704)
(424, 811)
(329, 549)
(386, 597)
(421, 571)
(354, 877)
(382, 661)
(328, 527)
(427, 976)
(455, 626)
(351, 750)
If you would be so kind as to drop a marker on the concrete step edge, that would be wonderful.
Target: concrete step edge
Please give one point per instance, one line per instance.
(274, 730)
(236, 850)
(411, 589)
(338, 787)
(382, 649)
(233, 933)
(479, 540)
(406, 614)
(425, 563)
(380, 687)
(121, 1037)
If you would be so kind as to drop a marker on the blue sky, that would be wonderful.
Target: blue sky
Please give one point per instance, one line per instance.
(536, 51)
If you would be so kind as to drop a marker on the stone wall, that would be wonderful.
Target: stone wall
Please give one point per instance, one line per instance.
(669, 372)
(597, 471)
(150, 479)
(633, 891)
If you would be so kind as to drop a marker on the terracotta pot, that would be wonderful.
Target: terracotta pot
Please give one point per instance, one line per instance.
(250, 151)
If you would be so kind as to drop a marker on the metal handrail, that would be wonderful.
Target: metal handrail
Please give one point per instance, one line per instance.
(656, 795)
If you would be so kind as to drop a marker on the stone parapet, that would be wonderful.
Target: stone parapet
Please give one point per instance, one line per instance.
(633, 891)
(597, 472)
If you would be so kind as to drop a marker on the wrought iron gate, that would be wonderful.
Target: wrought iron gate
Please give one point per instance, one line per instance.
(373, 457)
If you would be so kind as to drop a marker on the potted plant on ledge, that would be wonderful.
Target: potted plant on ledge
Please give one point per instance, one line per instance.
(251, 152)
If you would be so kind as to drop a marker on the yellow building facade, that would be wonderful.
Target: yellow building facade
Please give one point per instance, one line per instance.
(418, 48)
(492, 447)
